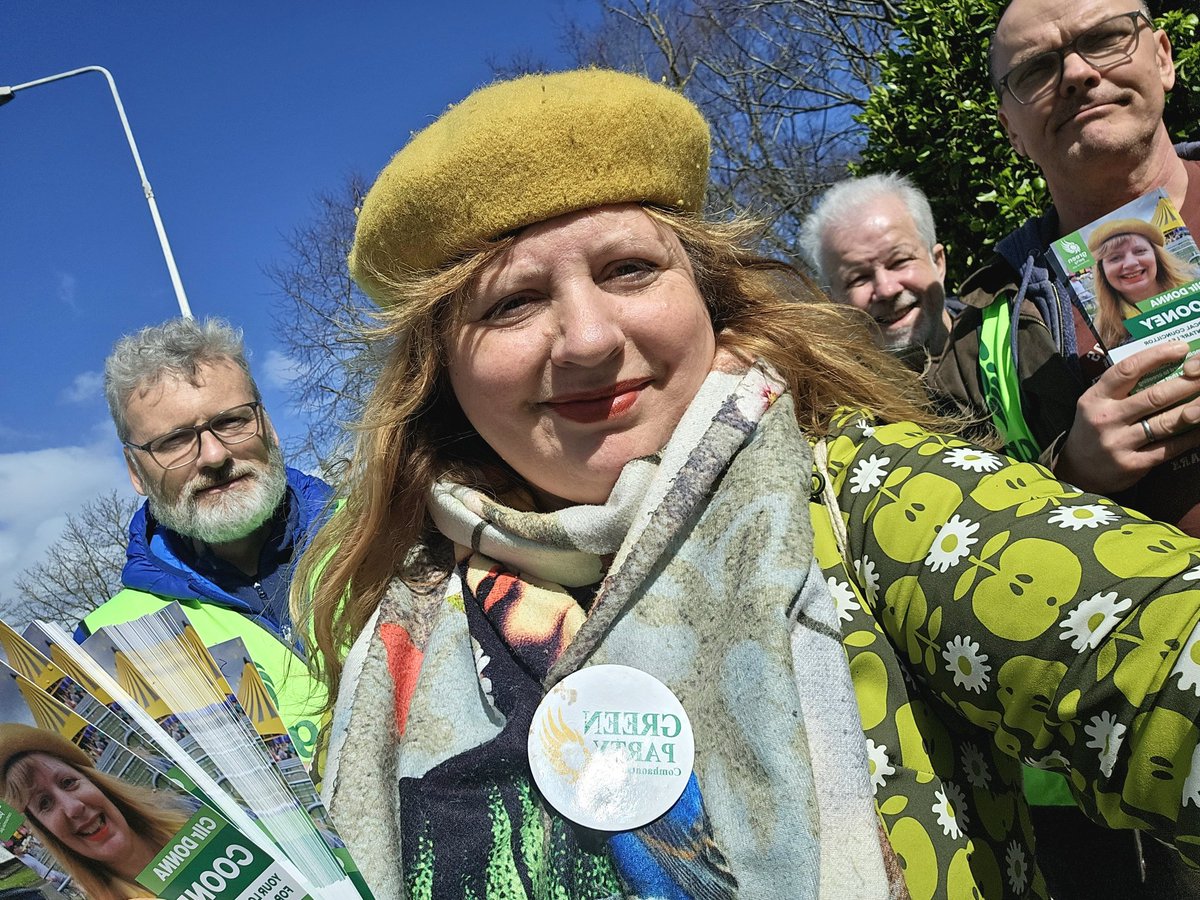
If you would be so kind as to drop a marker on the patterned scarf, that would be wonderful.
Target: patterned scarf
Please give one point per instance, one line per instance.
(696, 571)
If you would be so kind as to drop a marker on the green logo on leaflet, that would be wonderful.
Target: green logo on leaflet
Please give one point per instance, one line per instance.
(10, 821)
(1074, 253)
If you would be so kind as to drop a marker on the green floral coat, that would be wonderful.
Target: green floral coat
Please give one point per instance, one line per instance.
(991, 614)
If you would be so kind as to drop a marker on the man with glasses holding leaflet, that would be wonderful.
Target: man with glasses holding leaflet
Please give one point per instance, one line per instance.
(224, 518)
(1081, 90)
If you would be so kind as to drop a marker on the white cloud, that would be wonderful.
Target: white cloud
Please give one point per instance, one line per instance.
(38, 488)
(86, 386)
(280, 370)
(67, 286)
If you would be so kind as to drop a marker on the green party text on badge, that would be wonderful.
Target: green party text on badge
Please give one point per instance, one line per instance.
(611, 747)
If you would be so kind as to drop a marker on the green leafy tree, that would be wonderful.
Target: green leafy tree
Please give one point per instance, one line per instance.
(932, 115)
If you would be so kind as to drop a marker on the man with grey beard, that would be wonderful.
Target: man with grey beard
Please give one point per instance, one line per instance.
(224, 518)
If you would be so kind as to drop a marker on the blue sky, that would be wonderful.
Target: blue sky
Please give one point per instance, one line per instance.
(242, 112)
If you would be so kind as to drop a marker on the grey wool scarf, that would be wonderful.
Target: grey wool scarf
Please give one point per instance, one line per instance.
(712, 589)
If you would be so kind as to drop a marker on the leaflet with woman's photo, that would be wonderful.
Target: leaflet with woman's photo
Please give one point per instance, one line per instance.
(1135, 275)
(160, 660)
(232, 809)
(96, 820)
(70, 685)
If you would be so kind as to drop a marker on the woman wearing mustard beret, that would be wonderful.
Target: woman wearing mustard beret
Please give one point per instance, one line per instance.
(1132, 265)
(104, 831)
(658, 578)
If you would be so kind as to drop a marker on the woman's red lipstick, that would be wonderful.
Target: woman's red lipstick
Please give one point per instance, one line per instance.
(598, 406)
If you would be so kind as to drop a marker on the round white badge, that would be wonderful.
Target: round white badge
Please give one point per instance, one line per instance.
(611, 748)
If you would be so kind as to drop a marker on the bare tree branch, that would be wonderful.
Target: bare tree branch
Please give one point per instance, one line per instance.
(781, 81)
(320, 314)
(82, 568)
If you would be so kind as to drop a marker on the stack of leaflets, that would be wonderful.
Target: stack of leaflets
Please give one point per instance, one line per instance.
(144, 764)
(1135, 276)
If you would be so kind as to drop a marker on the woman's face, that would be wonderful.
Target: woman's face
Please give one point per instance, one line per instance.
(581, 348)
(1132, 268)
(78, 813)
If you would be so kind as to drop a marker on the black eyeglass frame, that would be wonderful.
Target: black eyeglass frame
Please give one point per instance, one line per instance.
(197, 430)
(1070, 47)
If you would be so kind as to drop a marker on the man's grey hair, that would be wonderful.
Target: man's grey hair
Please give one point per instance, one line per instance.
(177, 347)
(842, 205)
(995, 76)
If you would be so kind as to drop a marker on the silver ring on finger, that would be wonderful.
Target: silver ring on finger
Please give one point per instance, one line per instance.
(1151, 437)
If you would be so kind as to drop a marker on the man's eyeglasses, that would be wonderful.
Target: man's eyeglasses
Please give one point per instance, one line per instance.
(1103, 46)
(180, 447)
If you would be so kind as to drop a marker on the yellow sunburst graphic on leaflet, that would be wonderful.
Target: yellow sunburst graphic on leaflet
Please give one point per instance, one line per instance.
(255, 700)
(134, 683)
(49, 713)
(62, 659)
(203, 660)
(25, 658)
(1166, 217)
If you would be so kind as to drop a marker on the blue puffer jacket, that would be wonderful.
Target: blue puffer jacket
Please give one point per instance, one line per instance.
(153, 567)
(154, 577)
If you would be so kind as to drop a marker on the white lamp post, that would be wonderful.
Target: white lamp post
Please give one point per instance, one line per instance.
(6, 94)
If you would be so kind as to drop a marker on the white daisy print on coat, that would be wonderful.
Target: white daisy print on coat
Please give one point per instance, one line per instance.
(951, 544)
(1091, 621)
(1106, 735)
(869, 473)
(972, 459)
(1016, 867)
(1187, 666)
(843, 599)
(1191, 787)
(951, 810)
(967, 663)
(1087, 515)
(866, 427)
(1192, 574)
(481, 662)
(1054, 760)
(976, 767)
(879, 765)
(868, 577)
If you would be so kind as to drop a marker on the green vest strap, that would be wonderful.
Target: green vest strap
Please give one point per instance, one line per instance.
(1044, 788)
(1001, 386)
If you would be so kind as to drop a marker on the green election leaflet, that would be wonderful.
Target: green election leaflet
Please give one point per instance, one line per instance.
(1173, 316)
(84, 812)
(210, 859)
(158, 689)
(1134, 274)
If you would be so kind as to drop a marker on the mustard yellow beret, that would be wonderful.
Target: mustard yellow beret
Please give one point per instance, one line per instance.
(17, 740)
(1111, 229)
(522, 151)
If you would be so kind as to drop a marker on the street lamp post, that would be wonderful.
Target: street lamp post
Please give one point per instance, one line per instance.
(6, 94)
